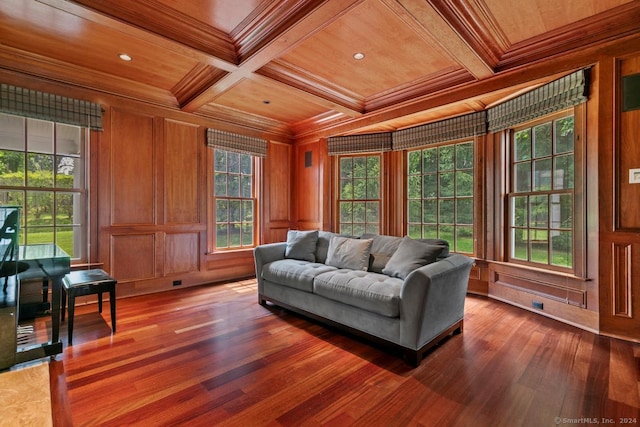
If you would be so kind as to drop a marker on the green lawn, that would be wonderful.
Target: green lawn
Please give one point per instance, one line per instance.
(64, 239)
(539, 254)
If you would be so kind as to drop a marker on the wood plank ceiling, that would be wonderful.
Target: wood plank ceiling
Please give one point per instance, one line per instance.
(287, 67)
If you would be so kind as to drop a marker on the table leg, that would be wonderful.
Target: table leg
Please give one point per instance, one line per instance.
(56, 284)
(112, 302)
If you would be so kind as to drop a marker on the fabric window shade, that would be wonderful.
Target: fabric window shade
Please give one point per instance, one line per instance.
(557, 95)
(444, 130)
(45, 106)
(238, 143)
(352, 144)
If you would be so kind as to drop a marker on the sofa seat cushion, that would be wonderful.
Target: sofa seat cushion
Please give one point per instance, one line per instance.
(373, 292)
(294, 273)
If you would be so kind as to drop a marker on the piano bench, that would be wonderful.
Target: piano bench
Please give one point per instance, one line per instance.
(87, 282)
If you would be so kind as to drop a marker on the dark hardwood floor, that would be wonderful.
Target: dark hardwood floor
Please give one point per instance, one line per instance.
(210, 355)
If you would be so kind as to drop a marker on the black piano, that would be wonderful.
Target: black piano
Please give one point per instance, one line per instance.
(20, 262)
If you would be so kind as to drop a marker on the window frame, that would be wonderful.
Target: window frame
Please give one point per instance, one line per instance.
(212, 198)
(381, 192)
(80, 223)
(578, 229)
(473, 141)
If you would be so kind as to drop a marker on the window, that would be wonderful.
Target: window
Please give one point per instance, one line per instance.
(359, 202)
(234, 201)
(440, 194)
(42, 169)
(541, 193)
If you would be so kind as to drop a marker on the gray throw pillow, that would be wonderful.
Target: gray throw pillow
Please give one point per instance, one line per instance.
(411, 254)
(322, 247)
(301, 245)
(378, 261)
(345, 252)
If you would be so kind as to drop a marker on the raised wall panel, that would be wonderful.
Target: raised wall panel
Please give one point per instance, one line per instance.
(181, 171)
(564, 297)
(133, 256)
(621, 281)
(276, 193)
(132, 167)
(181, 253)
(308, 182)
(280, 175)
(540, 283)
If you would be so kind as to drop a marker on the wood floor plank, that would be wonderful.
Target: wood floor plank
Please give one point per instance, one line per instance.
(211, 355)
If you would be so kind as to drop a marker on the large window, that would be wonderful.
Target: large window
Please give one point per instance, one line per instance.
(42, 167)
(541, 195)
(234, 201)
(360, 201)
(440, 186)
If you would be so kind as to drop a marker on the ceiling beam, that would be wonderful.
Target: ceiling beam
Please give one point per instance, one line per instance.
(270, 49)
(433, 26)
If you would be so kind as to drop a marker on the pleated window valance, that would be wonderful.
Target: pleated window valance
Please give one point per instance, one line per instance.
(238, 143)
(352, 144)
(445, 130)
(565, 92)
(45, 106)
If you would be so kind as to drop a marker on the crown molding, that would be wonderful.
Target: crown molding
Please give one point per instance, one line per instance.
(299, 78)
(611, 25)
(445, 79)
(154, 16)
(267, 22)
(34, 65)
(196, 81)
(258, 125)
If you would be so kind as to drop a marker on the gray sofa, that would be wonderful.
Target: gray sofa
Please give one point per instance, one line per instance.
(397, 291)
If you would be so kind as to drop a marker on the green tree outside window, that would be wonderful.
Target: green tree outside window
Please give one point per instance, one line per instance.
(440, 182)
(359, 194)
(541, 197)
(233, 201)
(42, 171)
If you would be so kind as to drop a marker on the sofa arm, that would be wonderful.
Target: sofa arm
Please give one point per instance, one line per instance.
(432, 299)
(264, 254)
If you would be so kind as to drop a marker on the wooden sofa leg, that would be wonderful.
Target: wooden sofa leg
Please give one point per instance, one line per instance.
(261, 300)
(459, 329)
(412, 357)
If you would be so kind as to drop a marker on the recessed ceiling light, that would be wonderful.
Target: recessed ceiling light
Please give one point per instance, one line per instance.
(125, 57)
(358, 56)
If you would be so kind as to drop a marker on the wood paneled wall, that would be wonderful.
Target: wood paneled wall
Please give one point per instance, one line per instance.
(619, 205)
(313, 195)
(153, 200)
(277, 192)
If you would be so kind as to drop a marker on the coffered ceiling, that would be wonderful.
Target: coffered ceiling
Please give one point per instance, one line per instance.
(287, 66)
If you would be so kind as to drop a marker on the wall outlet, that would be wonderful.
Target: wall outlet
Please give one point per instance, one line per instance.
(177, 282)
(538, 305)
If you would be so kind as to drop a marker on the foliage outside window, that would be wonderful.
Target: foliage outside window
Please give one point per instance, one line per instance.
(542, 190)
(360, 200)
(234, 199)
(42, 170)
(440, 194)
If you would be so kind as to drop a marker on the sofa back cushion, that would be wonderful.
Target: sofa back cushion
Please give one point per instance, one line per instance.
(382, 248)
(322, 246)
(438, 242)
(346, 252)
(411, 254)
(301, 245)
